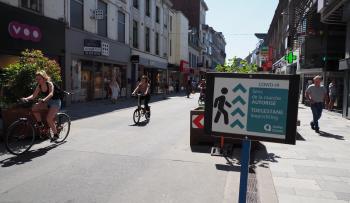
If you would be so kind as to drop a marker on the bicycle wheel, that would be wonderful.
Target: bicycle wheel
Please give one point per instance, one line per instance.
(63, 126)
(137, 116)
(20, 137)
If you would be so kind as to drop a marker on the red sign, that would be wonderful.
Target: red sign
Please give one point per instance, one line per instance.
(198, 121)
(23, 31)
(184, 66)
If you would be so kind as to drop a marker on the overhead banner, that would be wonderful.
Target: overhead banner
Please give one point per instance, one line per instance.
(259, 106)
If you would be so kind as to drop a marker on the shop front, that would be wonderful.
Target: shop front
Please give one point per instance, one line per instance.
(20, 30)
(95, 63)
(155, 70)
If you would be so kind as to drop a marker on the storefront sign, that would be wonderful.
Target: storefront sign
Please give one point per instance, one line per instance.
(259, 106)
(92, 47)
(23, 31)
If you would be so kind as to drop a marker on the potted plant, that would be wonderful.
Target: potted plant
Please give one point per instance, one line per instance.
(17, 80)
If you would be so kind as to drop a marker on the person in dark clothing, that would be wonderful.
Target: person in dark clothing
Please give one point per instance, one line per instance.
(189, 88)
(220, 103)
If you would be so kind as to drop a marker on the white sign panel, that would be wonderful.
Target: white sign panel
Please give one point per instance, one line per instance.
(250, 107)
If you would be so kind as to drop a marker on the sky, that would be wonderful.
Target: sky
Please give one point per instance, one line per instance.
(238, 20)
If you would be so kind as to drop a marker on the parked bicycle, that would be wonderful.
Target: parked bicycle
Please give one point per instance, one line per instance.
(140, 112)
(22, 133)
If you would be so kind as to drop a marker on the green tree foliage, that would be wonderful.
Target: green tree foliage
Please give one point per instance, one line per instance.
(18, 80)
(237, 65)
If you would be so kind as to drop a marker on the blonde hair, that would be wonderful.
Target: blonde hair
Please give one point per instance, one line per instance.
(43, 74)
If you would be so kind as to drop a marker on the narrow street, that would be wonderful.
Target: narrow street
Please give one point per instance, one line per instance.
(107, 159)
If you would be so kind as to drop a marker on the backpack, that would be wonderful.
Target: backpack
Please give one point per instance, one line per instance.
(58, 91)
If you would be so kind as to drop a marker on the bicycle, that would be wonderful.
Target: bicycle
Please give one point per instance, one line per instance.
(140, 111)
(21, 134)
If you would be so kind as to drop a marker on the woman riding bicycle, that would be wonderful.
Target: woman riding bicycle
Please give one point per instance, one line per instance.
(47, 100)
(144, 88)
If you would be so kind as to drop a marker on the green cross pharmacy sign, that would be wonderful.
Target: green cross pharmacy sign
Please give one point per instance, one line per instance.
(290, 57)
(258, 106)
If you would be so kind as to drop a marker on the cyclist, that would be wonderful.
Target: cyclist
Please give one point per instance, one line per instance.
(143, 87)
(47, 100)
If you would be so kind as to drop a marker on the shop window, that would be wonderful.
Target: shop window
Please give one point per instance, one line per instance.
(135, 41)
(77, 14)
(147, 40)
(148, 8)
(102, 24)
(34, 5)
(121, 27)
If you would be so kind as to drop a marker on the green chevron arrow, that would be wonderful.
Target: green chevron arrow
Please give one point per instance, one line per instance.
(239, 87)
(238, 99)
(238, 111)
(237, 123)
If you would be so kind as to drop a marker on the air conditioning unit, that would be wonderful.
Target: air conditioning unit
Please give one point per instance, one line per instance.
(98, 14)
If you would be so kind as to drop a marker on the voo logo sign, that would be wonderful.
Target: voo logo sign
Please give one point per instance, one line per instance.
(23, 31)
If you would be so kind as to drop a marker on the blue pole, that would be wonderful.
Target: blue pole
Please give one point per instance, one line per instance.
(243, 183)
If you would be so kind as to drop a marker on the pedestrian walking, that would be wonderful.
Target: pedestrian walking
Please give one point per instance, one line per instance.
(317, 95)
(332, 94)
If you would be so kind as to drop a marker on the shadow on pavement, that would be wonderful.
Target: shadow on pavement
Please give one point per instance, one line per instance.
(93, 108)
(28, 156)
(329, 135)
(299, 137)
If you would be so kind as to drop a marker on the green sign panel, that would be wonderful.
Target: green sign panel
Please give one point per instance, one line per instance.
(267, 112)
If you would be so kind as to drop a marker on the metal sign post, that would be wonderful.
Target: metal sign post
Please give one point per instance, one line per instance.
(245, 158)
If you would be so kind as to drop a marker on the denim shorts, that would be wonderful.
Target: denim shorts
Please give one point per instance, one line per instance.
(54, 103)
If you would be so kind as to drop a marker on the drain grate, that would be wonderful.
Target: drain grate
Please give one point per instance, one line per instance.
(252, 190)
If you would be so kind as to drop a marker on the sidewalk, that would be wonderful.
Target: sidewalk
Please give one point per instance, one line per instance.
(316, 169)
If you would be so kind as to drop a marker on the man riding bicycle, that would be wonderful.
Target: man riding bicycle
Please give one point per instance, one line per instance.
(144, 88)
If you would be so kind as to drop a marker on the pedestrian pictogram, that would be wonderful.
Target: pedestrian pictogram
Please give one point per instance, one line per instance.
(220, 103)
(290, 57)
(238, 99)
(239, 87)
(198, 121)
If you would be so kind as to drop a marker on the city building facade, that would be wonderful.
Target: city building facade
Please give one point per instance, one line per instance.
(337, 12)
(97, 48)
(149, 41)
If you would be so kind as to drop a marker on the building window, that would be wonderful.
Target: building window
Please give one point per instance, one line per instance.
(147, 44)
(136, 4)
(157, 14)
(157, 43)
(148, 8)
(170, 47)
(77, 14)
(34, 5)
(165, 18)
(102, 24)
(171, 23)
(135, 42)
(190, 59)
(121, 27)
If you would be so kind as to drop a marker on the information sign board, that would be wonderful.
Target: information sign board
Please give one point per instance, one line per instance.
(258, 106)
